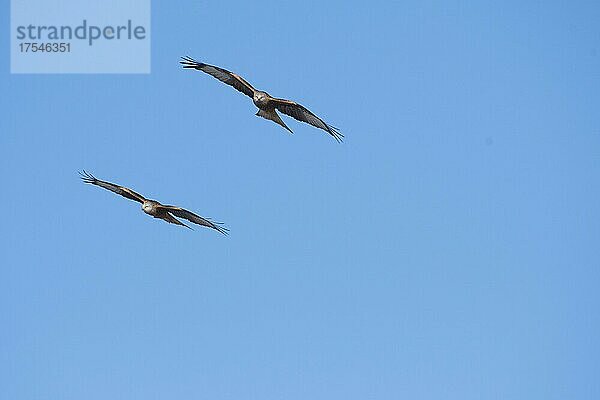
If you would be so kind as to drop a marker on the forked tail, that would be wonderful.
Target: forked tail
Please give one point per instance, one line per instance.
(273, 116)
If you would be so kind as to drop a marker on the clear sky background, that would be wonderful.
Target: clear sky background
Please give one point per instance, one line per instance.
(449, 248)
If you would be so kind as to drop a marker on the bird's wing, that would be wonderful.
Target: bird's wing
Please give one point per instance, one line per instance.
(303, 114)
(123, 191)
(190, 216)
(221, 74)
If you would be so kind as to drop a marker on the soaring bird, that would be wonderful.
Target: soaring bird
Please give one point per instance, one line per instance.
(154, 208)
(266, 103)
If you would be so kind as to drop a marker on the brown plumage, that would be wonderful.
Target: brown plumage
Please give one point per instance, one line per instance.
(153, 207)
(266, 103)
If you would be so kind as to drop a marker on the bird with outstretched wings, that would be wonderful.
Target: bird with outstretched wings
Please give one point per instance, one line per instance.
(153, 207)
(267, 104)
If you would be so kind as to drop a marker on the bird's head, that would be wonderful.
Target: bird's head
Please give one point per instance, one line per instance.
(260, 96)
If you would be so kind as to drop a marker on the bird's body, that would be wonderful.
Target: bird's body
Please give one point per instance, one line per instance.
(267, 104)
(157, 210)
(154, 208)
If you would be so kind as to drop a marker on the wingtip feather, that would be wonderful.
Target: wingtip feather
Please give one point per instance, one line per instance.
(86, 177)
(189, 62)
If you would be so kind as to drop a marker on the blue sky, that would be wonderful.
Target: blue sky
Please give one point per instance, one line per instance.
(447, 249)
